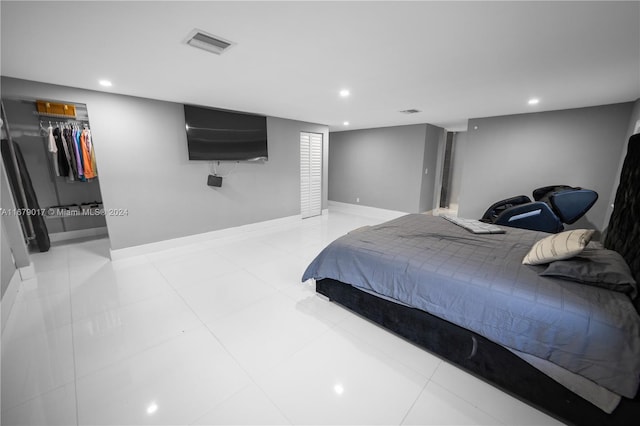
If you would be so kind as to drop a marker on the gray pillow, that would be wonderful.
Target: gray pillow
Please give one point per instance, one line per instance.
(598, 267)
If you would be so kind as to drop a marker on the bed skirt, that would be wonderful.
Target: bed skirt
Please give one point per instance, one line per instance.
(480, 357)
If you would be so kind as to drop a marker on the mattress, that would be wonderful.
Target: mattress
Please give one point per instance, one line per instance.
(478, 282)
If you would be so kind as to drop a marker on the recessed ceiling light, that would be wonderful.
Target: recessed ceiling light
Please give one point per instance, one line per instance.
(533, 101)
(346, 123)
(344, 93)
(105, 83)
(152, 408)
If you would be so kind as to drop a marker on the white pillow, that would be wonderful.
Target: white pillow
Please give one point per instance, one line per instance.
(558, 246)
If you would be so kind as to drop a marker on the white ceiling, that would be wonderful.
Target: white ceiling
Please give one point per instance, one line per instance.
(451, 60)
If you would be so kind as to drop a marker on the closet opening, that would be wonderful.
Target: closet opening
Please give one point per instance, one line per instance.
(446, 172)
(49, 157)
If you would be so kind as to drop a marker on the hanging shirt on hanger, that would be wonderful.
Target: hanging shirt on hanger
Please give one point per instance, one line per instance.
(73, 167)
(53, 150)
(85, 143)
(63, 155)
(76, 141)
(94, 166)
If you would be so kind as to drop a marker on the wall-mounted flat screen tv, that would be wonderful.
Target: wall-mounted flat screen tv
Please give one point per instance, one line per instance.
(220, 135)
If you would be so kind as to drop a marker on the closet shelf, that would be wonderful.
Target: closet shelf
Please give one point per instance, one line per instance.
(56, 108)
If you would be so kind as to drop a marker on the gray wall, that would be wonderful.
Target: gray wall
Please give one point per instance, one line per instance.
(383, 167)
(512, 155)
(141, 151)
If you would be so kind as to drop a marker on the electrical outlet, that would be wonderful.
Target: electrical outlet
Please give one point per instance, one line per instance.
(357, 199)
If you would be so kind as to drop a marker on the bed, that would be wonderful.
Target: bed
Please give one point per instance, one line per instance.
(569, 349)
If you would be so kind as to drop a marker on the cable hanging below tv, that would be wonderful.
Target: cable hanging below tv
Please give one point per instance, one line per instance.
(222, 135)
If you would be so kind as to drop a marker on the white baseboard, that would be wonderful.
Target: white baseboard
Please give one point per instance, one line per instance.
(27, 272)
(361, 210)
(142, 249)
(9, 298)
(80, 233)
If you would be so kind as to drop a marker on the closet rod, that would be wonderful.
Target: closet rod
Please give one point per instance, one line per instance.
(12, 153)
(44, 114)
(78, 123)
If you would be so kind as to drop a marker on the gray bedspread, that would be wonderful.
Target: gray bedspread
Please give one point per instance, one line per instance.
(478, 282)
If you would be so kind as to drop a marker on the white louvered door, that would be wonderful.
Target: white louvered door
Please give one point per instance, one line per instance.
(310, 174)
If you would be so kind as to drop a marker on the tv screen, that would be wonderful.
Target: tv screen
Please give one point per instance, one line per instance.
(219, 135)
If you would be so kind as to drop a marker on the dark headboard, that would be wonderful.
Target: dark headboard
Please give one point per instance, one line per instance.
(623, 234)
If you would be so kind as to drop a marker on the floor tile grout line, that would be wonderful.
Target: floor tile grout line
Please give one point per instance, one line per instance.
(142, 351)
(34, 397)
(173, 287)
(219, 403)
(473, 404)
(457, 395)
(437, 366)
(300, 349)
(303, 347)
(415, 401)
(12, 314)
(121, 306)
(177, 292)
(251, 382)
(277, 291)
(282, 413)
(224, 347)
(228, 352)
(250, 376)
(354, 335)
(170, 290)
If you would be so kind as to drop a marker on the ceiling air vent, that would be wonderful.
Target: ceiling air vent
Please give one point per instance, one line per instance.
(208, 42)
(410, 111)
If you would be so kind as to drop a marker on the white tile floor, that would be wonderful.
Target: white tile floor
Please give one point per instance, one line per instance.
(221, 332)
